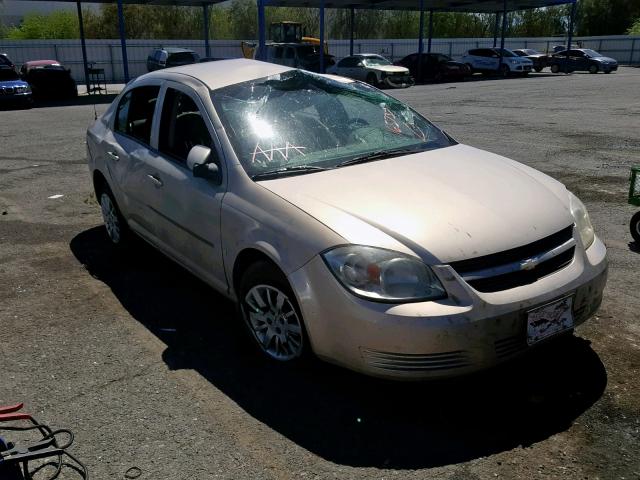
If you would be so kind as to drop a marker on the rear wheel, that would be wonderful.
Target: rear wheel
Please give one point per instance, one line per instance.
(634, 226)
(593, 68)
(538, 69)
(271, 313)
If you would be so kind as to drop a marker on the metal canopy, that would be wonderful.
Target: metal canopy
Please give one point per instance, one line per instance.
(175, 3)
(469, 6)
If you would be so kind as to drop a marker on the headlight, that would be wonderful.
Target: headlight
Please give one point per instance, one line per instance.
(583, 222)
(383, 275)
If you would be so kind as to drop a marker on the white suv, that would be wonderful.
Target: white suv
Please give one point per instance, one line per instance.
(487, 60)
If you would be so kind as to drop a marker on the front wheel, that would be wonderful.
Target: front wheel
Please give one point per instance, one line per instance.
(634, 226)
(555, 68)
(593, 69)
(271, 313)
(504, 71)
(372, 79)
(538, 69)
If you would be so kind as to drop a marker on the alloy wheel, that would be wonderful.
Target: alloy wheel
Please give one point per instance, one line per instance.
(110, 217)
(274, 322)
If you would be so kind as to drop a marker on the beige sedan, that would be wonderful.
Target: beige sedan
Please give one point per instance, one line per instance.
(342, 221)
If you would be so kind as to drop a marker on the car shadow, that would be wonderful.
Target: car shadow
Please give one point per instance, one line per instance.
(344, 417)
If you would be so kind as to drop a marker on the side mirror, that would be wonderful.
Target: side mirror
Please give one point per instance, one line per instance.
(198, 163)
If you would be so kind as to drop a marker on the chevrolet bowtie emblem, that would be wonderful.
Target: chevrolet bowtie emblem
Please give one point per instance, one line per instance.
(528, 264)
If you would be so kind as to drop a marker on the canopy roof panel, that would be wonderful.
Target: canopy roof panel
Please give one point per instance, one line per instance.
(471, 6)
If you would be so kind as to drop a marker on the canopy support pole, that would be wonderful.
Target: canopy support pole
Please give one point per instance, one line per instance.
(123, 42)
(83, 43)
(504, 29)
(430, 31)
(352, 25)
(262, 34)
(420, 41)
(321, 36)
(571, 20)
(205, 18)
(495, 30)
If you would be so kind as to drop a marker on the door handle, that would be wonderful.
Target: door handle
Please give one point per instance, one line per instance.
(156, 181)
(113, 156)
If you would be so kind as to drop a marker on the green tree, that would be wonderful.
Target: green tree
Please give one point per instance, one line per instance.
(606, 17)
(635, 28)
(56, 25)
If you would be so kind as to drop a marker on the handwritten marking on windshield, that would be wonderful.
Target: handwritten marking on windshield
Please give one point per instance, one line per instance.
(265, 156)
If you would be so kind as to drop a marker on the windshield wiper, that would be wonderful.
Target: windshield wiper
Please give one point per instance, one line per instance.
(280, 172)
(377, 155)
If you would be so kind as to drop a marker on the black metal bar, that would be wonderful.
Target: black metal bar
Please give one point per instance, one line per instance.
(123, 41)
(205, 19)
(83, 43)
(352, 25)
(495, 30)
(321, 36)
(420, 41)
(504, 29)
(430, 31)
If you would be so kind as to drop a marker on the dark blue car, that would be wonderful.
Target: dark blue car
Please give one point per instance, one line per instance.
(582, 59)
(13, 90)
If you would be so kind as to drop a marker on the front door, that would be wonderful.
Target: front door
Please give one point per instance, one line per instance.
(186, 209)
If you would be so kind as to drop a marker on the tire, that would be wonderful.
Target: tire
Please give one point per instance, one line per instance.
(277, 331)
(372, 79)
(470, 67)
(593, 68)
(504, 71)
(634, 226)
(538, 69)
(438, 77)
(555, 68)
(118, 231)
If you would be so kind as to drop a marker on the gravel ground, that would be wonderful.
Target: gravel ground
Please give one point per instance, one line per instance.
(149, 368)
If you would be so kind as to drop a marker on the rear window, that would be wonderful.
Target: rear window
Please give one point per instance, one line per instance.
(182, 57)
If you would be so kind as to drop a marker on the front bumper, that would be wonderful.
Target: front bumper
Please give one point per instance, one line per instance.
(23, 98)
(466, 332)
(398, 81)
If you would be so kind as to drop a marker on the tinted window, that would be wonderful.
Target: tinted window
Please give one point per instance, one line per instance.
(181, 126)
(134, 116)
(349, 62)
(181, 58)
(474, 52)
(278, 52)
(290, 53)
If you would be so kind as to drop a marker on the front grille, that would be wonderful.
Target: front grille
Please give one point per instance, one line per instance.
(7, 90)
(518, 266)
(409, 362)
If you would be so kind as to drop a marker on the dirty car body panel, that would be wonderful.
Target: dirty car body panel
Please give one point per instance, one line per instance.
(420, 258)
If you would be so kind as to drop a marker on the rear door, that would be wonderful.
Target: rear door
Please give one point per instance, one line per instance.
(126, 148)
(186, 209)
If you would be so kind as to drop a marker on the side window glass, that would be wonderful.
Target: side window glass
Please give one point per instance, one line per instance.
(182, 126)
(134, 116)
(278, 53)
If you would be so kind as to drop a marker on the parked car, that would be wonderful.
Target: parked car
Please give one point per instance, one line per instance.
(170, 57)
(582, 59)
(487, 60)
(435, 66)
(342, 221)
(539, 59)
(13, 90)
(298, 55)
(49, 79)
(373, 69)
(5, 61)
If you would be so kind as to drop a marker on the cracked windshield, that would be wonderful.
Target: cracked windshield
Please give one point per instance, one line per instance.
(302, 122)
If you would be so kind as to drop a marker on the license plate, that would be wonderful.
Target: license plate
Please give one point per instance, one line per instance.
(550, 319)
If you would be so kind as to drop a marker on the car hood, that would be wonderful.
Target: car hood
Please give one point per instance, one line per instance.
(389, 68)
(443, 205)
(605, 59)
(13, 83)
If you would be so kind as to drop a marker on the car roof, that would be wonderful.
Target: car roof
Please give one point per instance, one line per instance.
(176, 50)
(40, 63)
(223, 72)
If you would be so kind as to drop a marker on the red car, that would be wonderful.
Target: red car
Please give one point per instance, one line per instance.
(49, 78)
